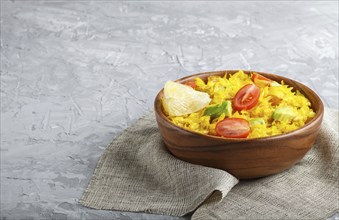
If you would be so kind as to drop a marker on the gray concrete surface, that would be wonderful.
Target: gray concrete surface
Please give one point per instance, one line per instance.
(74, 74)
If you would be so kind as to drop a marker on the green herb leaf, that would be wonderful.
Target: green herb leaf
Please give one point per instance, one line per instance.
(257, 121)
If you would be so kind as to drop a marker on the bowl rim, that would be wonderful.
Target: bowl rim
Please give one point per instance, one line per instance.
(317, 117)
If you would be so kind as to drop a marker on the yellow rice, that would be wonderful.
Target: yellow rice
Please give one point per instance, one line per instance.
(222, 88)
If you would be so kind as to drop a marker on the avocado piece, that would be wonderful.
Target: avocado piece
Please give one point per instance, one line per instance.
(284, 113)
(257, 121)
(212, 110)
(216, 110)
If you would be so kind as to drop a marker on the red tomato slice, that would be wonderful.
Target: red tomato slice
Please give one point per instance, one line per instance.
(190, 83)
(233, 128)
(247, 97)
(260, 80)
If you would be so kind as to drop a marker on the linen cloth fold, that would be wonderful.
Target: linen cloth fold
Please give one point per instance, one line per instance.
(137, 173)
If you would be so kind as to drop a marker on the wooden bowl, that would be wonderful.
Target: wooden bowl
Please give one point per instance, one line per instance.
(243, 158)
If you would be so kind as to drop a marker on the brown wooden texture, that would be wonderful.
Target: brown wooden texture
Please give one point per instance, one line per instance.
(243, 158)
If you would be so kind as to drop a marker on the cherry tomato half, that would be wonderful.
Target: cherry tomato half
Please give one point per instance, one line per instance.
(260, 80)
(247, 97)
(190, 83)
(233, 128)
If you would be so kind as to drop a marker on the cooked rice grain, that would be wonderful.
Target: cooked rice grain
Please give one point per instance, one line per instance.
(222, 88)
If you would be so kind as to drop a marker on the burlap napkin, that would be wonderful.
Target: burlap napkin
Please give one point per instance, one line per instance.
(136, 173)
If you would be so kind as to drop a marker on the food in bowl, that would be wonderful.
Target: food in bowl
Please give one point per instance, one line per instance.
(236, 106)
(245, 158)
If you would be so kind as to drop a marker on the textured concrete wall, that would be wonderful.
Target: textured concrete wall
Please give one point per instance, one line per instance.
(74, 74)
